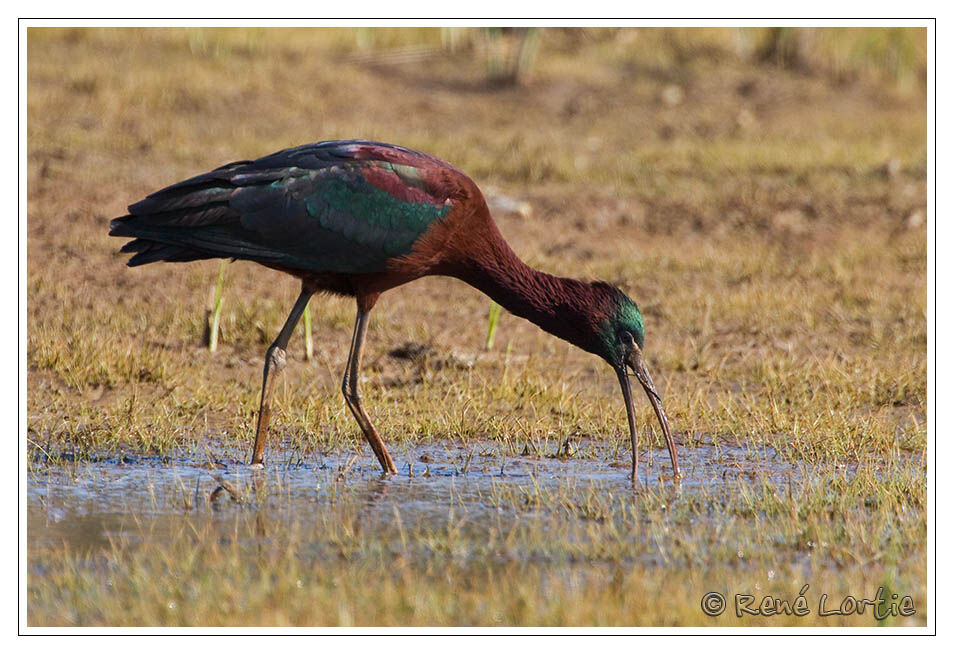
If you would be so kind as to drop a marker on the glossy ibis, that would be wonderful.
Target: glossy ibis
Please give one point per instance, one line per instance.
(358, 218)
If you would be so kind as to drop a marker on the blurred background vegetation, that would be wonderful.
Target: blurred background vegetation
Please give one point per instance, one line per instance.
(650, 113)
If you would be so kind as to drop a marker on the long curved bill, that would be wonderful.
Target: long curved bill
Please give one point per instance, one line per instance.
(640, 372)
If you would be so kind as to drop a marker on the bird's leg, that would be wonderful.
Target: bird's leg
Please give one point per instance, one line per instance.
(349, 386)
(274, 363)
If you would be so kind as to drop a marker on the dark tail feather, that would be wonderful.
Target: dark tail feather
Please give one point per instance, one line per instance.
(150, 251)
(121, 226)
(162, 225)
(190, 220)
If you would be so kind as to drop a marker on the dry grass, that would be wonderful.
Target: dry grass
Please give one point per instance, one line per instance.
(769, 224)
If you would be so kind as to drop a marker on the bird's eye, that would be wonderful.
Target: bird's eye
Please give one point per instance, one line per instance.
(626, 337)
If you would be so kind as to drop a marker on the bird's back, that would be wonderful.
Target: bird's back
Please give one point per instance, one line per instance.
(346, 207)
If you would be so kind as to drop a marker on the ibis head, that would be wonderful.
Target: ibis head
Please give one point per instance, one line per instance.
(622, 337)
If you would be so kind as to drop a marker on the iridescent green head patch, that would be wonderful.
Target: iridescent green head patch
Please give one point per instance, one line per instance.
(624, 316)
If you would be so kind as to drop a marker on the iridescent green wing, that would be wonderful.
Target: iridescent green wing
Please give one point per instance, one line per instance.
(334, 219)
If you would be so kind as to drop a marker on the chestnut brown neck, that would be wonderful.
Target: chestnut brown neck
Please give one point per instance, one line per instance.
(567, 308)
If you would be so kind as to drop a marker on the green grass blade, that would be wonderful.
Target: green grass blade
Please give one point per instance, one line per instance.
(217, 310)
(493, 317)
(309, 344)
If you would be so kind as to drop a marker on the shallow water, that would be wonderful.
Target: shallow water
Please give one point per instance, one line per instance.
(88, 502)
(504, 522)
